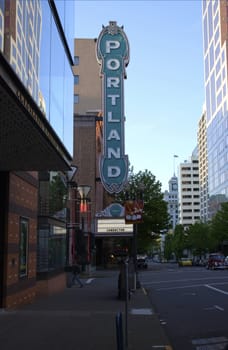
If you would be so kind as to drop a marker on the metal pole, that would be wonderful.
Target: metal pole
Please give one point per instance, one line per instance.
(135, 255)
(126, 304)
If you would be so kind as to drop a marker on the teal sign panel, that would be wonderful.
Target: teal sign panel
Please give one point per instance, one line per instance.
(113, 56)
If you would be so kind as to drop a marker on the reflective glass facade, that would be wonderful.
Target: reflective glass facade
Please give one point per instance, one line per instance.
(215, 66)
(31, 42)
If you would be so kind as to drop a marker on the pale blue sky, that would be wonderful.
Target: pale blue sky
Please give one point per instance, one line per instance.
(164, 91)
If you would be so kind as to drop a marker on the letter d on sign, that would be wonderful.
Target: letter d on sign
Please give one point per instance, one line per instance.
(113, 171)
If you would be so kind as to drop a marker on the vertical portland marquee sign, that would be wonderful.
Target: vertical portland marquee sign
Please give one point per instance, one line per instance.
(113, 56)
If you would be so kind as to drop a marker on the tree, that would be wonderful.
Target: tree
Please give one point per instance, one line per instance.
(180, 241)
(219, 227)
(168, 248)
(198, 238)
(57, 194)
(155, 214)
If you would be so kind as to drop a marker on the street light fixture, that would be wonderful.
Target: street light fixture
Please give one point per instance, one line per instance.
(133, 214)
(85, 220)
(71, 219)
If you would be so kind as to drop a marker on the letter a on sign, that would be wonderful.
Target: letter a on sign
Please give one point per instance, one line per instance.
(113, 56)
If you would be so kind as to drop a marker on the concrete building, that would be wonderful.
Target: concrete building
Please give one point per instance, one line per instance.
(36, 137)
(215, 30)
(203, 167)
(171, 197)
(189, 191)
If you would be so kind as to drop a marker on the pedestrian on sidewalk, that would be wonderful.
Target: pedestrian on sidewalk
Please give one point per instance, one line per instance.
(75, 275)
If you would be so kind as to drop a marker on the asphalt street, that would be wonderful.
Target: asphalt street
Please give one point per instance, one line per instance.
(192, 304)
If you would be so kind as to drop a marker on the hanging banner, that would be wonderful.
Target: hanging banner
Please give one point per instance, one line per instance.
(113, 56)
(133, 211)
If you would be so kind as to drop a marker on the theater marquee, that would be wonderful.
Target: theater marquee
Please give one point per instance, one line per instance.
(113, 56)
(113, 227)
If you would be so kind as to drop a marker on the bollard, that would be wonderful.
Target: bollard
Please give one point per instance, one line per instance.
(126, 303)
(119, 331)
(122, 281)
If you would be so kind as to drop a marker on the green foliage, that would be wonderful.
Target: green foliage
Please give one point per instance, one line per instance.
(180, 241)
(155, 215)
(219, 227)
(57, 194)
(199, 239)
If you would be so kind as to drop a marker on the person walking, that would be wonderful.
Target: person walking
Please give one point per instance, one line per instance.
(75, 275)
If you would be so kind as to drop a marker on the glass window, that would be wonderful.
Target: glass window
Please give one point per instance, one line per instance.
(56, 79)
(210, 20)
(223, 56)
(208, 105)
(205, 34)
(224, 90)
(216, 36)
(204, 5)
(217, 51)
(218, 67)
(216, 20)
(218, 82)
(215, 5)
(213, 103)
(23, 253)
(66, 11)
(206, 68)
(211, 56)
(219, 98)
(76, 60)
(76, 98)
(76, 79)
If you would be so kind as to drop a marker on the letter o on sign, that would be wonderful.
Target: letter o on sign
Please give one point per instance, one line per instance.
(113, 64)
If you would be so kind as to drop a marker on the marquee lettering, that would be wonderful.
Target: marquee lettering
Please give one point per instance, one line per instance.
(113, 56)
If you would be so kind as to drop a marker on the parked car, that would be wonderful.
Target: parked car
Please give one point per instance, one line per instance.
(226, 262)
(185, 262)
(142, 261)
(215, 261)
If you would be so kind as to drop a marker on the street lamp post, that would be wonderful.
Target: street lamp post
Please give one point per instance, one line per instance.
(70, 219)
(133, 214)
(85, 220)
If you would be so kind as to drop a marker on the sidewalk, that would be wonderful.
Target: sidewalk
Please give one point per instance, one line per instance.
(83, 319)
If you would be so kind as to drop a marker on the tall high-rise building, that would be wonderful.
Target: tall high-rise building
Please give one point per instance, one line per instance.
(189, 191)
(215, 31)
(36, 137)
(171, 198)
(203, 166)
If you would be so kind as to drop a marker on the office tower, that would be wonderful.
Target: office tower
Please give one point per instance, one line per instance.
(203, 167)
(171, 197)
(189, 191)
(36, 137)
(215, 31)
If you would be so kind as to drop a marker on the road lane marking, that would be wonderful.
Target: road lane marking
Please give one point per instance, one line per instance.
(214, 307)
(141, 311)
(180, 287)
(186, 279)
(216, 289)
(206, 341)
(191, 286)
(219, 308)
(89, 280)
